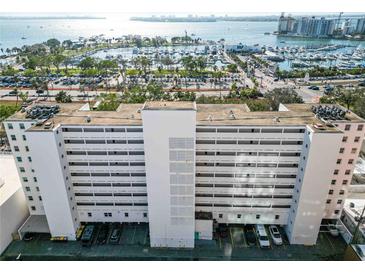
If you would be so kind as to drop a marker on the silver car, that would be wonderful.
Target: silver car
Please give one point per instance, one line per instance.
(275, 235)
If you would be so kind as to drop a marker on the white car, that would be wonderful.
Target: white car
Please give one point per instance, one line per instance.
(262, 236)
(333, 230)
(275, 235)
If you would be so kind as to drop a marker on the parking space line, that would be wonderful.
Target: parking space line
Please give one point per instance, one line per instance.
(329, 240)
(134, 233)
(230, 233)
(145, 236)
(244, 238)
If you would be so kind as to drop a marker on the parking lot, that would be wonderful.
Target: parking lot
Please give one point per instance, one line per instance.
(134, 245)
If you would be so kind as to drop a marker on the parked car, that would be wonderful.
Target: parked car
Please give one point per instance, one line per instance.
(250, 235)
(333, 230)
(28, 236)
(88, 235)
(103, 234)
(115, 236)
(314, 87)
(262, 237)
(275, 235)
(223, 231)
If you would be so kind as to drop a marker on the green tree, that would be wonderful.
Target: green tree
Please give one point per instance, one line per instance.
(87, 63)
(279, 96)
(53, 43)
(63, 97)
(346, 97)
(109, 102)
(57, 60)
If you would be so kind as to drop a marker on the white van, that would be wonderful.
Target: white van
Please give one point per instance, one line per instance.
(262, 236)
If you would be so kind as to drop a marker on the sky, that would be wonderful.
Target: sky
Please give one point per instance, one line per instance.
(181, 6)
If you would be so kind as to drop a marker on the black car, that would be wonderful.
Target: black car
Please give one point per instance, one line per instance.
(28, 236)
(103, 234)
(115, 236)
(250, 235)
(223, 231)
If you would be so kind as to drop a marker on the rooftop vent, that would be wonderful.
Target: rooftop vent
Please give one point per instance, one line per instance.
(48, 125)
(42, 111)
(329, 112)
(210, 118)
(232, 116)
(276, 119)
(88, 119)
(319, 126)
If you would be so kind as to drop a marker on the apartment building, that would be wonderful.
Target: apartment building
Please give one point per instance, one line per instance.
(167, 162)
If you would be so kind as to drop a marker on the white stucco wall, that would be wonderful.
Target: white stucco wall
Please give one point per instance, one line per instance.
(61, 215)
(158, 127)
(313, 182)
(13, 206)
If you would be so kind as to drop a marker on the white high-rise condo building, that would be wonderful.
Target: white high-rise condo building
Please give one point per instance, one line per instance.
(170, 163)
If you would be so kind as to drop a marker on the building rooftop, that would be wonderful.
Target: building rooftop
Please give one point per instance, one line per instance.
(206, 115)
(158, 105)
(349, 117)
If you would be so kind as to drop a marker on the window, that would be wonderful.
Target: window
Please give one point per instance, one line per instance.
(19, 159)
(30, 198)
(337, 211)
(21, 126)
(145, 215)
(330, 192)
(126, 214)
(13, 138)
(333, 182)
(25, 179)
(16, 148)
(29, 159)
(344, 182)
(347, 172)
(37, 188)
(339, 202)
(344, 139)
(26, 148)
(342, 192)
(353, 151)
(335, 172)
(27, 188)
(347, 127)
(40, 198)
(24, 138)
(357, 139)
(328, 201)
(32, 208)
(258, 216)
(360, 127)
(277, 217)
(22, 169)
(220, 216)
(239, 216)
(338, 161)
(10, 126)
(351, 161)
(89, 214)
(342, 150)
(35, 179)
